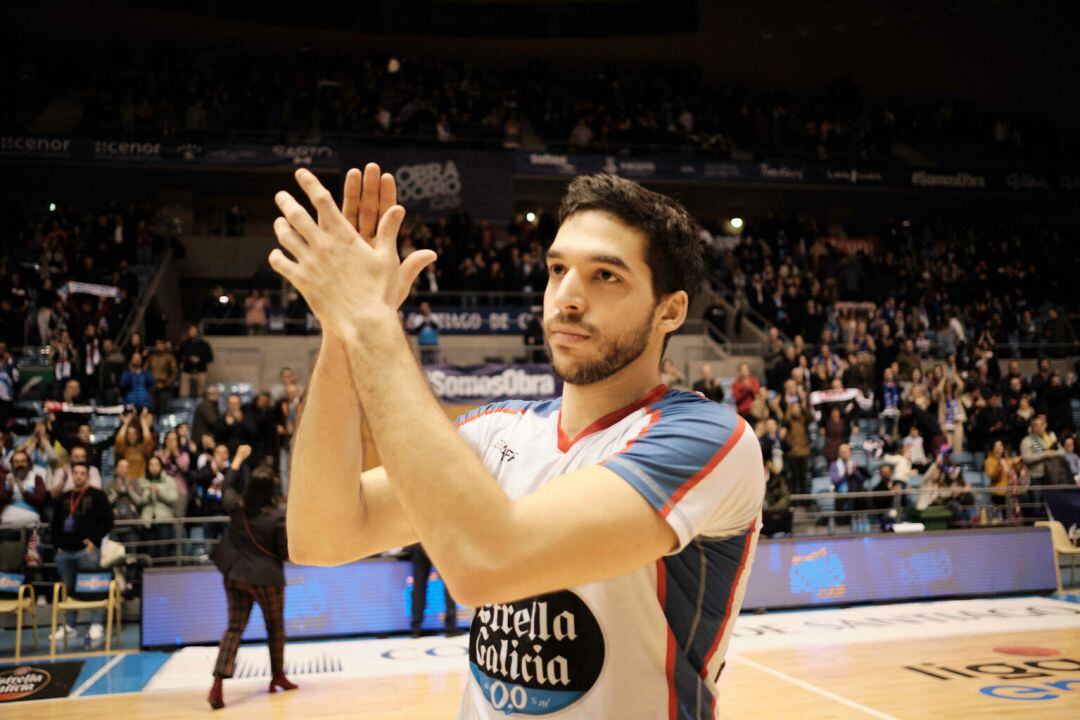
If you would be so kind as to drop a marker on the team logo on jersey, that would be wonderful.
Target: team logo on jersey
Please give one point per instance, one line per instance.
(536, 656)
(506, 453)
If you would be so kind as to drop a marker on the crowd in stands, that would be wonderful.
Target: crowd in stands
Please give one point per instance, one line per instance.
(48, 250)
(868, 385)
(74, 471)
(213, 92)
(470, 261)
(963, 287)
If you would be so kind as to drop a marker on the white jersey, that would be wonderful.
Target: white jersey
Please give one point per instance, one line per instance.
(646, 645)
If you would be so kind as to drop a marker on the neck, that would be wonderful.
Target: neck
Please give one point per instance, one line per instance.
(584, 404)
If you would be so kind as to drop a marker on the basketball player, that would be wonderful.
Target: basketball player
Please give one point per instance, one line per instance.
(605, 537)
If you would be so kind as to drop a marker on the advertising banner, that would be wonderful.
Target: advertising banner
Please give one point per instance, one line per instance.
(434, 182)
(38, 681)
(474, 321)
(480, 384)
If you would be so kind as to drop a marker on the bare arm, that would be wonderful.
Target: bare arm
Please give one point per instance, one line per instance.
(335, 515)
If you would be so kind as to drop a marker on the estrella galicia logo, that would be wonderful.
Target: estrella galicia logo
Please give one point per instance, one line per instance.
(536, 656)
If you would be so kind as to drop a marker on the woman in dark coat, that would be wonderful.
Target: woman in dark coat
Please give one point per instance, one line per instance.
(251, 559)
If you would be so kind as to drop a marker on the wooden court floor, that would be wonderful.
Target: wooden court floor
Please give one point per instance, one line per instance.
(862, 680)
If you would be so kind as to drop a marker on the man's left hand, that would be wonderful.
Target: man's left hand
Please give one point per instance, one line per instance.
(342, 276)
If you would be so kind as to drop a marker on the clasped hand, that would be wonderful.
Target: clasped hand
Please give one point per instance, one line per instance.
(346, 264)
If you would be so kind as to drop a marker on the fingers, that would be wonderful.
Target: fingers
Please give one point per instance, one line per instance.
(370, 209)
(410, 269)
(389, 227)
(321, 198)
(387, 193)
(283, 266)
(297, 216)
(289, 238)
(350, 203)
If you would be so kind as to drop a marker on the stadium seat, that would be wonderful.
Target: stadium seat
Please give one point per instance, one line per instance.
(17, 596)
(62, 603)
(1060, 539)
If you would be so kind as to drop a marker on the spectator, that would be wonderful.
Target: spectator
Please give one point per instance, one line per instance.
(844, 474)
(836, 434)
(944, 485)
(1005, 473)
(286, 376)
(798, 455)
(135, 442)
(670, 375)
(255, 307)
(81, 519)
(286, 417)
(716, 318)
(162, 364)
(160, 495)
(113, 366)
(264, 435)
(426, 326)
(422, 568)
(776, 517)
(847, 477)
(890, 405)
(235, 428)
(22, 500)
(207, 501)
(916, 450)
(744, 390)
(62, 479)
(1054, 401)
(908, 360)
(176, 462)
(84, 439)
(774, 445)
(951, 415)
(137, 383)
(1038, 449)
(1069, 446)
(897, 500)
(207, 413)
(900, 463)
(44, 452)
(90, 360)
(195, 357)
(126, 500)
(184, 439)
(709, 386)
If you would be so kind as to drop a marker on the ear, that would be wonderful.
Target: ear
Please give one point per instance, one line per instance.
(671, 311)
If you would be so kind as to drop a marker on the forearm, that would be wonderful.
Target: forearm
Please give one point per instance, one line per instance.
(326, 458)
(455, 505)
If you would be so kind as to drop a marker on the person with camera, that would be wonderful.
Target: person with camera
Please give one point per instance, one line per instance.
(251, 559)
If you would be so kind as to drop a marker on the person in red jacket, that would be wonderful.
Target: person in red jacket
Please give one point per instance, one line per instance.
(744, 389)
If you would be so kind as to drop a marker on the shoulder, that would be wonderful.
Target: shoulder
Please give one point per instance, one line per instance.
(507, 410)
(690, 412)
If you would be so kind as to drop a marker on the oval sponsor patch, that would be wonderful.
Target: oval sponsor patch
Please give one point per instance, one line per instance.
(536, 656)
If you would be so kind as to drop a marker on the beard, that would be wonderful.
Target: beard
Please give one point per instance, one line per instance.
(614, 353)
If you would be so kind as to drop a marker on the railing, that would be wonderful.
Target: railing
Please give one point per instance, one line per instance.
(817, 512)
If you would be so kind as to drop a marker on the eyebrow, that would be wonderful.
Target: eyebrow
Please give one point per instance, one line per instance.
(613, 260)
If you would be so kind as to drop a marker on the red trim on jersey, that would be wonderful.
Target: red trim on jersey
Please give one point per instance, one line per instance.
(654, 417)
(565, 443)
(730, 601)
(669, 663)
(482, 413)
(713, 462)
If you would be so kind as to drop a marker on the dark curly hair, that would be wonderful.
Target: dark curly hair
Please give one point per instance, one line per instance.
(675, 252)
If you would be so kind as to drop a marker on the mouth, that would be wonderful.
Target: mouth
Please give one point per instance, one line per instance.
(567, 337)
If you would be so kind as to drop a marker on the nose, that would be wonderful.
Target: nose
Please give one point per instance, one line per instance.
(570, 294)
